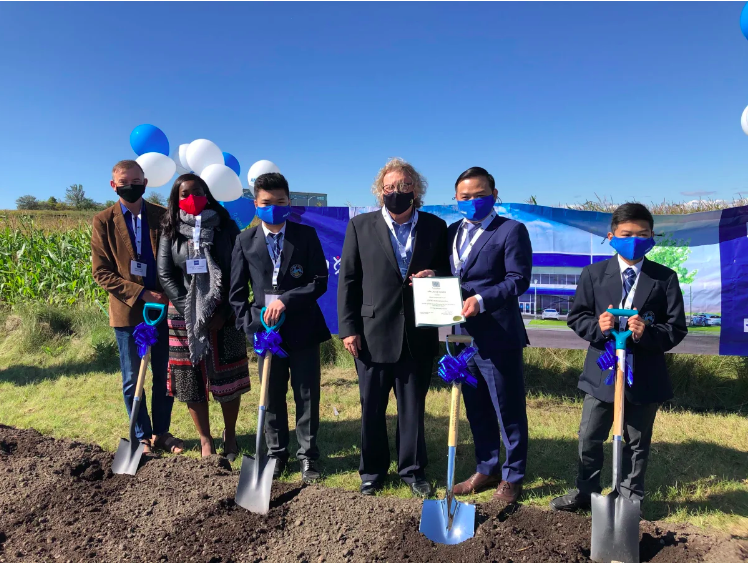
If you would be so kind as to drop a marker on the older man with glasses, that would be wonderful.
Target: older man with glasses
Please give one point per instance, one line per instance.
(382, 251)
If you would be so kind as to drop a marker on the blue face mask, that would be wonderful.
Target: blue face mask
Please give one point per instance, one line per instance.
(273, 214)
(632, 247)
(476, 209)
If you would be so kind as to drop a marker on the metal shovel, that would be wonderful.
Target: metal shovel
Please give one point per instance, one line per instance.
(449, 521)
(129, 452)
(615, 518)
(256, 474)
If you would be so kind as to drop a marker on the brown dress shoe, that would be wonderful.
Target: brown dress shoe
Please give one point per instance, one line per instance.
(475, 483)
(508, 492)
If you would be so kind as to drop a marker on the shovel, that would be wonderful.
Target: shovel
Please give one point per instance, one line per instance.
(449, 521)
(256, 474)
(129, 451)
(615, 518)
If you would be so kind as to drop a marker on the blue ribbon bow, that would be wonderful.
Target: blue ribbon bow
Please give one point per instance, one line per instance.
(455, 368)
(145, 335)
(270, 339)
(608, 360)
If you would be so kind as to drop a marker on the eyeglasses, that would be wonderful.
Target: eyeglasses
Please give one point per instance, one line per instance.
(404, 187)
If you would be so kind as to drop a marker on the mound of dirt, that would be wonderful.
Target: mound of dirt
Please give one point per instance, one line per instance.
(61, 502)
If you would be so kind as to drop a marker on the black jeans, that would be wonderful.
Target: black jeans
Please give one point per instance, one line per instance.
(596, 422)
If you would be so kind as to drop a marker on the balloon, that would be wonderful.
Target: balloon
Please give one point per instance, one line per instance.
(242, 210)
(743, 121)
(222, 182)
(201, 153)
(231, 162)
(179, 159)
(148, 138)
(743, 23)
(259, 168)
(157, 168)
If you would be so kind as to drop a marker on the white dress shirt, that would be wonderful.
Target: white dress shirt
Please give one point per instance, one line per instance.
(463, 232)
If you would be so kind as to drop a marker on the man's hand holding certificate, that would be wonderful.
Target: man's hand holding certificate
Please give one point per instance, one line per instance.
(437, 301)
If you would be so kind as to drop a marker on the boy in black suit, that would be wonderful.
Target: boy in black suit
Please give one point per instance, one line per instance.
(628, 280)
(283, 263)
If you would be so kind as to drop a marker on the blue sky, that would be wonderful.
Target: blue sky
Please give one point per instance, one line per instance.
(558, 100)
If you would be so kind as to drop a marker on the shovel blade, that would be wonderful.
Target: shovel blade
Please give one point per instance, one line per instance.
(127, 457)
(434, 522)
(615, 534)
(254, 487)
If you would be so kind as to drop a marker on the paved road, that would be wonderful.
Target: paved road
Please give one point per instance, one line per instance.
(565, 338)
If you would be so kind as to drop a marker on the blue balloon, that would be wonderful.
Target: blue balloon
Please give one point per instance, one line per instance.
(231, 162)
(743, 21)
(148, 138)
(242, 210)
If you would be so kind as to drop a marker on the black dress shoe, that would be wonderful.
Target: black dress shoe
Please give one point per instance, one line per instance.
(279, 468)
(571, 502)
(421, 488)
(310, 472)
(370, 487)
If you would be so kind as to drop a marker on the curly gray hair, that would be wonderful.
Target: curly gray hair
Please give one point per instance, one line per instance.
(398, 164)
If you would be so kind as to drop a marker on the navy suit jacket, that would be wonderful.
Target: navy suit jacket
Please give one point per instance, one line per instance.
(658, 299)
(499, 269)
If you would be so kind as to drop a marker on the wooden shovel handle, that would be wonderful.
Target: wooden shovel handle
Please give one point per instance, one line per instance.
(619, 393)
(459, 339)
(455, 407)
(264, 379)
(142, 374)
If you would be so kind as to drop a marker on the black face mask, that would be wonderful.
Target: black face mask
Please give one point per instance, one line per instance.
(131, 193)
(398, 203)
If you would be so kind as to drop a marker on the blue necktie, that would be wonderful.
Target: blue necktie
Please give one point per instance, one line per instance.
(628, 281)
(276, 249)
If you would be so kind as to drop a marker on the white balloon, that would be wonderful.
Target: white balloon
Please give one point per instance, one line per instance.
(201, 153)
(743, 121)
(180, 159)
(157, 168)
(259, 168)
(222, 181)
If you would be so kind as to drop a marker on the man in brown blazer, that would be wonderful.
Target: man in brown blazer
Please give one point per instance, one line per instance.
(124, 243)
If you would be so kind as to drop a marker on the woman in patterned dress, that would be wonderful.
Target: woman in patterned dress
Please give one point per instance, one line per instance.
(206, 352)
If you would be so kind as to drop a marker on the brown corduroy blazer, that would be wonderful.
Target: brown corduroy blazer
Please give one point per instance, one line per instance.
(111, 253)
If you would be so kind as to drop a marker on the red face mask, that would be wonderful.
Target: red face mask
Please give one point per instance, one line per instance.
(194, 204)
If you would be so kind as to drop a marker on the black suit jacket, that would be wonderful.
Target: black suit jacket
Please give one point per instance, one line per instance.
(304, 325)
(373, 299)
(658, 294)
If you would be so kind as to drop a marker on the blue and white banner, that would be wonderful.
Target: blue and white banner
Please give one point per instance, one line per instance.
(707, 250)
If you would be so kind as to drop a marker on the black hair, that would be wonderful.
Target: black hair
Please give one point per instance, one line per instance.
(270, 182)
(629, 212)
(474, 172)
(171, 220)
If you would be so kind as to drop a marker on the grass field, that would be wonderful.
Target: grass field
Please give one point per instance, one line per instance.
(59, 374)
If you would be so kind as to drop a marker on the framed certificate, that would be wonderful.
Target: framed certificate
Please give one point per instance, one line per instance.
(437, 302)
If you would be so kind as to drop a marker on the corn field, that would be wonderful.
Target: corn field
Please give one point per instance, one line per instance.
(44, 265)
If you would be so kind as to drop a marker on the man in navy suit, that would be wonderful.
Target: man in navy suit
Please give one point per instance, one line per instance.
(492, 256)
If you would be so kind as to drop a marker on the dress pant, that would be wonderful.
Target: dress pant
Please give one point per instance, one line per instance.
(410, 379)
(596, 422)
(498, 406)
(130, 364)
(304, 368)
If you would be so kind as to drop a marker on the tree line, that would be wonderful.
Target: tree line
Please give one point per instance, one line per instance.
(75, 200)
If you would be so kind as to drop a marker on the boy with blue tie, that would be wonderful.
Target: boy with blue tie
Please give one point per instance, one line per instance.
(628, 280)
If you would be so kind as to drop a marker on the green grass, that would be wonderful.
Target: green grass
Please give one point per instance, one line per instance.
(546, 323)
(59, 374)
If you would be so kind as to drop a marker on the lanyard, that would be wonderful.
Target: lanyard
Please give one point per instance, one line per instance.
(402, 250)
(458, 261)
(197, 235)
(137, 231)
(275, 259)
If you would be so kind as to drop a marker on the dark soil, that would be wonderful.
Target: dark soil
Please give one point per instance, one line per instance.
(60, 502)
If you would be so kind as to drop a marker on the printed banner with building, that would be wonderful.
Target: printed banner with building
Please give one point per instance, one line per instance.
(708, 251)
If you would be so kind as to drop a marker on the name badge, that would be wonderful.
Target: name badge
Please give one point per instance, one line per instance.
(272, 295)
(138, 268)
(196, 266)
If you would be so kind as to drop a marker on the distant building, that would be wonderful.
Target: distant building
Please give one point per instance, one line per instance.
(299, 199)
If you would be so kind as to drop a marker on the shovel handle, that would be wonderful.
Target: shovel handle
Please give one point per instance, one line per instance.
(142, 374)
(455, 407)
(264, 379)
(620, 394)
